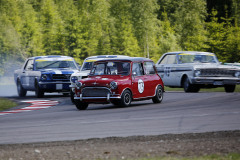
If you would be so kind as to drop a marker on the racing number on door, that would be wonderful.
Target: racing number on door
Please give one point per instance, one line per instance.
(167, 71)
(140, 86)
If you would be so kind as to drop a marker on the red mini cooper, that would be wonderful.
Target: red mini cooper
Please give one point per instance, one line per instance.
(120, 81)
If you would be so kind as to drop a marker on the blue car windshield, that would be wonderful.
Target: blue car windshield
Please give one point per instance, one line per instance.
(45, 64)
(110, 68)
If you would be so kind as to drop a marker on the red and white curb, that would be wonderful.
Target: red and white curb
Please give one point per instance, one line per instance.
(36, 105)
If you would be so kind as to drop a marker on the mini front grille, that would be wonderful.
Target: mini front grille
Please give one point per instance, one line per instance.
(217, 73)
(61, 76)
(95, 92)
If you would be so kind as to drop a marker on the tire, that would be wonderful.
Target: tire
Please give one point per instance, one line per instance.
(158, 95)
(81, 105)
(21, 91)
(126, 98)
(38, 92)
(229, 88)
(188, 87)
(72, 96)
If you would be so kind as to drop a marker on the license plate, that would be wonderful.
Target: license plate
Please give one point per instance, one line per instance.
(218, 83)
(59, 86)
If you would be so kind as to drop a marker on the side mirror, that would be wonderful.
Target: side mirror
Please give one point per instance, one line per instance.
(30, 67)
(134, 73)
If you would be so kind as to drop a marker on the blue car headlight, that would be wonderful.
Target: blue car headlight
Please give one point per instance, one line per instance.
(74, 79)
(44, 77)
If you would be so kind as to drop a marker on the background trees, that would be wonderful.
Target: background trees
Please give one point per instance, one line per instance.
(82, 28)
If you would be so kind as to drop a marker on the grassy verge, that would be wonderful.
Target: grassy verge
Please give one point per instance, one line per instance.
(6, 104)
(232, 156)
(219, 89)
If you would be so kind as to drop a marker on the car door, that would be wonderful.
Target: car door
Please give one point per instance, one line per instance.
(138, 79)
(167, 69)
(27, 77)
(150, 79)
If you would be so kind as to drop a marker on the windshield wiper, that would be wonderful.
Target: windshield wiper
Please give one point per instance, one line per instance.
(50, 64)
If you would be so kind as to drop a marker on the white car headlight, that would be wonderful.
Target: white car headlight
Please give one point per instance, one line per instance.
(197, 73)
(79, 84)
(237, 74)
(74, 79)
(113, 85)
(44, 77)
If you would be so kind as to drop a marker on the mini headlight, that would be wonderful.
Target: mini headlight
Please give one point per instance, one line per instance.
(74, 79)
(44, 77)
(237, 74)
(79, 84)
(113, 85)
(197, 73)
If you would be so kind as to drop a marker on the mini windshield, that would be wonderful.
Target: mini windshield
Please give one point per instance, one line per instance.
(53, 64)
(111, 68)
(197, 58)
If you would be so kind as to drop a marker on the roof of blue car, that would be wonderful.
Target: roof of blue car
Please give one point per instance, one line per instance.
(50, 56)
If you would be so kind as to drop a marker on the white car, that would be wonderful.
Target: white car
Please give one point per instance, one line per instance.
(85, 70)
(193, 70)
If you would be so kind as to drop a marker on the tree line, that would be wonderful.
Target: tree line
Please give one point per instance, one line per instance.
(144, 28)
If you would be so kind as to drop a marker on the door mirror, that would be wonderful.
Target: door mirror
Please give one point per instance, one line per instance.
(30, 67)
(134, 73)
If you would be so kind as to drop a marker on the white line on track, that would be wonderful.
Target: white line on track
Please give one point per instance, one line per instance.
(36, 105)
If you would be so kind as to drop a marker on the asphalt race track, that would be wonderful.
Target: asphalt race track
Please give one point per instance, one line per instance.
(178, 113)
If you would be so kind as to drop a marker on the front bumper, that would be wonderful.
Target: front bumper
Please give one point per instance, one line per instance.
(73, 85)
(57, 86)
(108, 98)
(218, 81)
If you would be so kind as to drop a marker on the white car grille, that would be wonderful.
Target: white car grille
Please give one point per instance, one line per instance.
(217, 73)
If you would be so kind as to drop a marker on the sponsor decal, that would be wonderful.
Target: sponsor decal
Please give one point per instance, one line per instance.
(90, 60)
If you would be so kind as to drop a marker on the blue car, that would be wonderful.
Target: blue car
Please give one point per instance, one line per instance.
(45, 74)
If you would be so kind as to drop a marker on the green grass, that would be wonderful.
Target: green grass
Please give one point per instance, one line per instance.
(219, 89)
(6, 104)
(232, 156)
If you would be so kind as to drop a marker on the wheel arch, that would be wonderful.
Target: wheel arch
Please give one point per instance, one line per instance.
(183, 78)
(157, 87)
(36, 81)
(125, 90)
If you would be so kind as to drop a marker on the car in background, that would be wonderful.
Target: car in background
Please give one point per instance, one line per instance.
(85, 70)
(45, 74)
(119, 81)
(193, 70)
